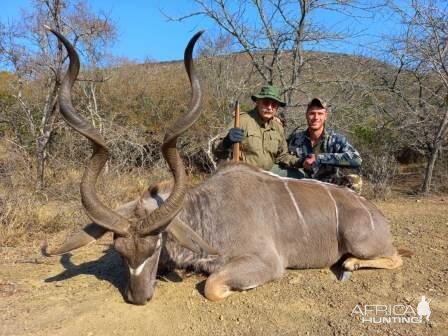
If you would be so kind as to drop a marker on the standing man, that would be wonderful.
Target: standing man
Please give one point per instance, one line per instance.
(261, 137)
(321, 151)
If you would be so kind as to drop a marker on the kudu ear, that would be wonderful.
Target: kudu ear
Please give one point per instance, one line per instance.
(189, 239)
(87, 235)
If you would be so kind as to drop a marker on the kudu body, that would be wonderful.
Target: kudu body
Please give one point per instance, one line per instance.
(259, 224)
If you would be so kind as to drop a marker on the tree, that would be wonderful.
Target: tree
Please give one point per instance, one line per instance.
(421, 79)
(37, 61)
(274, 33)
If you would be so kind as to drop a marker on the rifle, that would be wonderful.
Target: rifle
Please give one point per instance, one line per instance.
(236, 146)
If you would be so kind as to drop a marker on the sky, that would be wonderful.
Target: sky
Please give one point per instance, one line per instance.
(145, 33)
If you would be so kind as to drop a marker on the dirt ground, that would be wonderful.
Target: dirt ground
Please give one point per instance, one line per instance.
(80, 294)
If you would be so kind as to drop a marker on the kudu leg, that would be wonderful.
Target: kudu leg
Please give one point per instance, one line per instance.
(352, 263)
(241, 273)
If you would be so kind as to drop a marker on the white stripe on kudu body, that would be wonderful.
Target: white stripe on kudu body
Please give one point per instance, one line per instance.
(336, 210)
(294, 202)
(324, 185)
(372, 225)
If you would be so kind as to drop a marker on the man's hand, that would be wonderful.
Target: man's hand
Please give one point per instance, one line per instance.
(308, 163)
(235, 135)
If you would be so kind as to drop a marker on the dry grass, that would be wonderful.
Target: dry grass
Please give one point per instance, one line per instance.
(14, 202)
(27, 215)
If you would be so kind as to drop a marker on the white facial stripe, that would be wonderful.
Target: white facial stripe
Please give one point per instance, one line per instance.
(137, 271)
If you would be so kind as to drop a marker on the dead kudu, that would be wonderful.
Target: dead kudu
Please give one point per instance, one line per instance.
(261, 224)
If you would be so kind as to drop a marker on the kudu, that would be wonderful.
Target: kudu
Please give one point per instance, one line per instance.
(260, 223)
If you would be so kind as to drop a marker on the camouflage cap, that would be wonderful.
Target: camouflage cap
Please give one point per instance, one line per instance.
(318, 102)
(271, 92)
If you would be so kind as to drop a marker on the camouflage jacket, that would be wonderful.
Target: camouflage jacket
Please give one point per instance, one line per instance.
(332, 151)
(264, 143)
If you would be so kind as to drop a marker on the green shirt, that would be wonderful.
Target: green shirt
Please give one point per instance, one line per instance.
(264, 143)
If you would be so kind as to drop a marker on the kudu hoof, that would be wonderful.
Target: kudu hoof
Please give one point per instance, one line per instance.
(345, 275)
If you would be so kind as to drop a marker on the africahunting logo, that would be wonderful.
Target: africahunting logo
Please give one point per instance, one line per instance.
(397, 313)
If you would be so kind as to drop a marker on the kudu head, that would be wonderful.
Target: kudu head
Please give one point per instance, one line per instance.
(137, 235)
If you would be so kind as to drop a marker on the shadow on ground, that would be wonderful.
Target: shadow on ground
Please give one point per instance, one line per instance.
(108, 267)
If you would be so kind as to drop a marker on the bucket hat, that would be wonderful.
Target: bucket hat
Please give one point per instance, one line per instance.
(271, 92)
